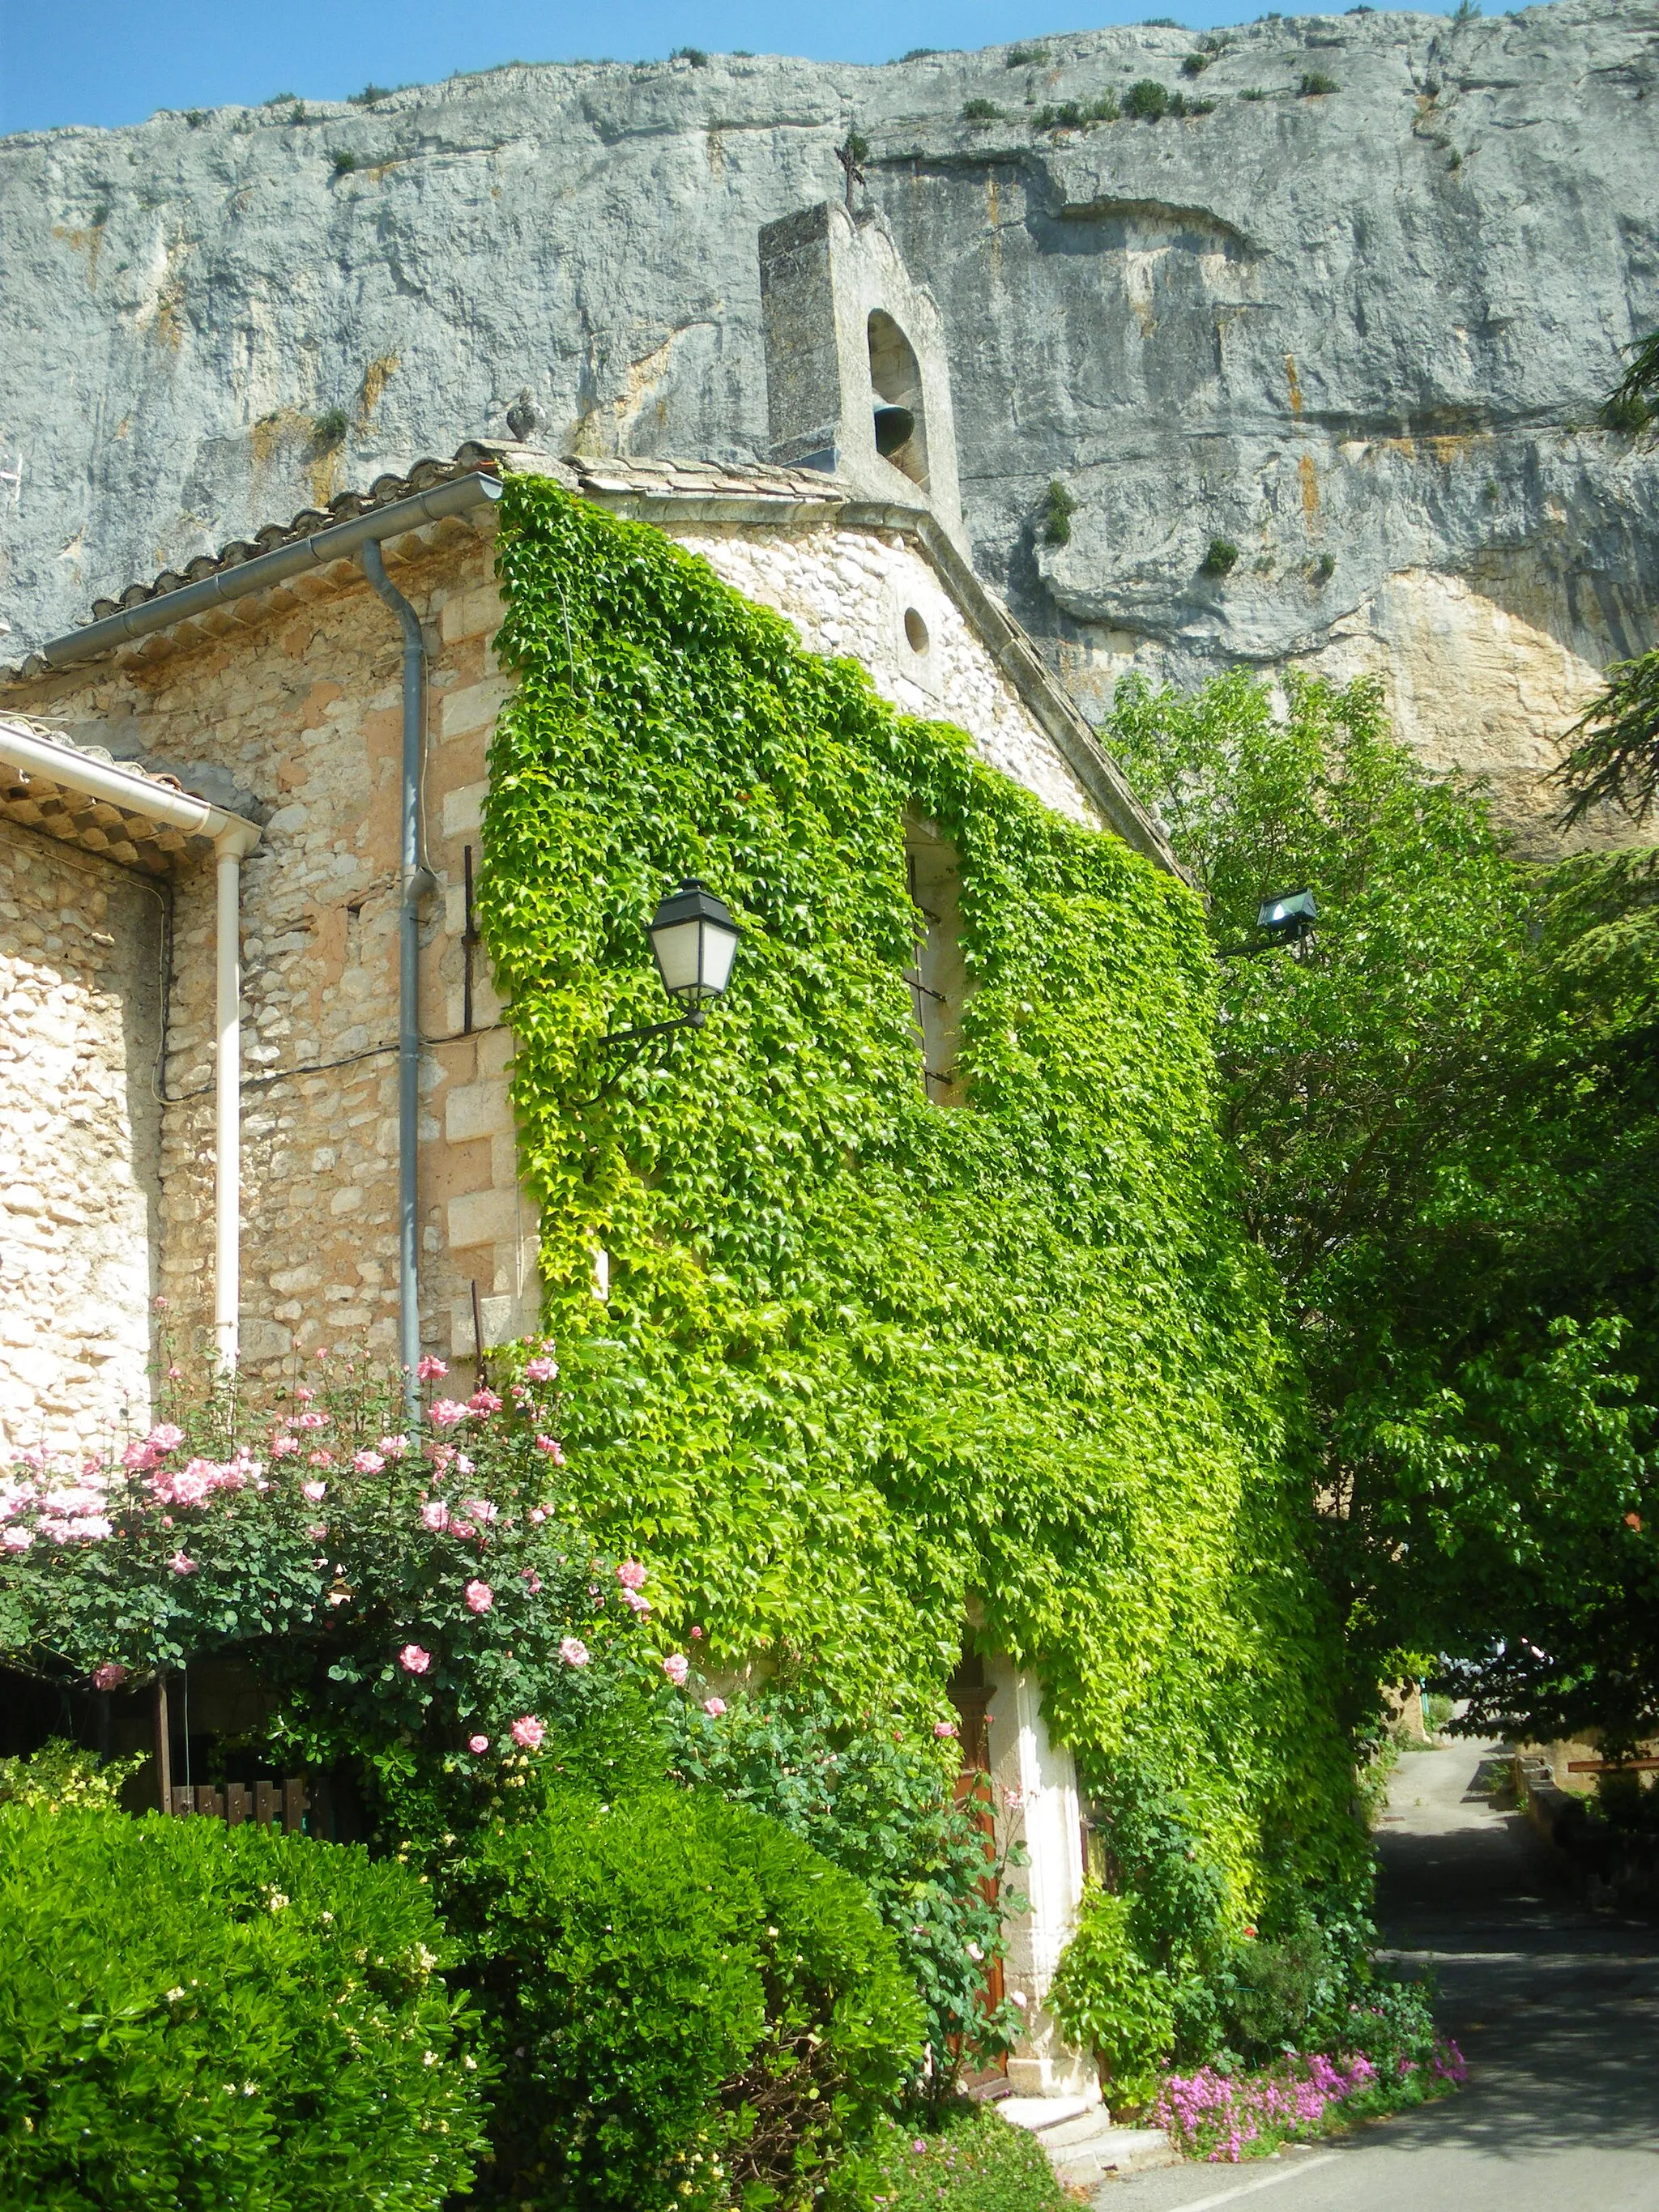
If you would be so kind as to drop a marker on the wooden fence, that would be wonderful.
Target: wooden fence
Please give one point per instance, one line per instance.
(268, 1804)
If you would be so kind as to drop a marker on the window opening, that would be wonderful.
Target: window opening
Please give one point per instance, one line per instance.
(938, 974)
(896, 396)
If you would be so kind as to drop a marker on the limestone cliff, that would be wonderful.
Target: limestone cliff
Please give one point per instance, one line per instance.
(1358, 335)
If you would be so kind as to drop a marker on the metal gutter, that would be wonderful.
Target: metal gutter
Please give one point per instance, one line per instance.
(342, 541)
(415, 881)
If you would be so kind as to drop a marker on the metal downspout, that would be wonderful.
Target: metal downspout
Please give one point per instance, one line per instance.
(414, 882)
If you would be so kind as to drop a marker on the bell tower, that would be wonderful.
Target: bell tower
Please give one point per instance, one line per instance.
(856, 380)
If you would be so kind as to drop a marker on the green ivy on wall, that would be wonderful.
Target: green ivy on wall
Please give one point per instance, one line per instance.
(864, 1358)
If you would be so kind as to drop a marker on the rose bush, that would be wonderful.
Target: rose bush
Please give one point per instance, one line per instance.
(405, 1593)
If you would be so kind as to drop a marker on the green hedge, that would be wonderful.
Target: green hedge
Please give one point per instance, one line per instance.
(196, 2017)
(688, 2003)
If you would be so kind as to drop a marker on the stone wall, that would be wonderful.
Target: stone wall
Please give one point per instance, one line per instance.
(295, 708)
(81, 943)
(870, 593)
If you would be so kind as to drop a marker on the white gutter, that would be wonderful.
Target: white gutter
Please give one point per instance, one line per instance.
(233, 837)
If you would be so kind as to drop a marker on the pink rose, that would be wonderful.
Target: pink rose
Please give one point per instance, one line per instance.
(304, 1396)
(182, 1565)
(696, 1635)
(478, 1743)
(17, 1540)
(320, 1459)
(393, 1447)
(367, 1462)
(316, 1530)
(714, 1707)
(413, 1660)
(443, 1414)
(945, 1728)
(435, 1514)
(165, 1437)
(540, 1369)
(630, 1574)
(429, 1370)
(311, 1421)
(109, 1676)
(538, 1513)
(527, 1732)
(316, 1492)
(483, 1401)
(284, 1447)
(634, 1602)
(479, 1597)
(462, 1528)
(677, 1667)
(552, 1447)
(573, 1651)
(480, 1508)
(531, 1581)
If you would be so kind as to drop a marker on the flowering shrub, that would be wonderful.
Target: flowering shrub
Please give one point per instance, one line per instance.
(690, 2004)
(415, 1601)
(193, 2014)
(884, 1810)
(1219, 2115)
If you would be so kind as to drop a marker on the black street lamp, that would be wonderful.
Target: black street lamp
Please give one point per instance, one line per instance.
(693, 939)
(1289, 918)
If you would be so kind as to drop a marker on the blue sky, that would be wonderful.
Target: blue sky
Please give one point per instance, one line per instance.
(95, 61)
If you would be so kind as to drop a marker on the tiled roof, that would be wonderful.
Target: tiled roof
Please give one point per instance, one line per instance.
(35, 800)
(755, 481)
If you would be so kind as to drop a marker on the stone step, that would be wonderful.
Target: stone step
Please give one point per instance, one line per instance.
(1081, 2142)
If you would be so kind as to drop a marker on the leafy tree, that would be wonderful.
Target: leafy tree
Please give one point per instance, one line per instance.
(1447, 1118)
(1615, 758)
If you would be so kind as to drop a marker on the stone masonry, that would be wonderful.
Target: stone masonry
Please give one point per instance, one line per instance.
(81, 946)
(297, 704)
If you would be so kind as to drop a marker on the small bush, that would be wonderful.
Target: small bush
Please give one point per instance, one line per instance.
(1147, 100)
(1025, 58)
(980, 111)
(344, 163)
(1059, 507)
(1073, 115)
(1255, 92)
(690, 2004)
(1108, 1998)
(694, 55)
(1195, 64)
(971, 2161)
(918, 54)
(195, 118)
(1220, 559)
(329, 429)
(1315, 84)
(283, 99)
(369, 94)
(60, 1775)
(193, 2015)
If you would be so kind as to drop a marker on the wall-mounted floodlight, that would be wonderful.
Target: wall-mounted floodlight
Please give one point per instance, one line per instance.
(1288, 919)
(693, 939)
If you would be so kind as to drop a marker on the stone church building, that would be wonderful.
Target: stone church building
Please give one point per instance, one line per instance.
(252, 1062)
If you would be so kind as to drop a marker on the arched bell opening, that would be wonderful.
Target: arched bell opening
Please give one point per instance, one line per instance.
(895, 397)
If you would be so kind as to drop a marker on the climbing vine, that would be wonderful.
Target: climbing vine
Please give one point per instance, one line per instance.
(865, 1361)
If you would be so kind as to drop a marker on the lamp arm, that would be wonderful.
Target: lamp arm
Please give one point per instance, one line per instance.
(694, 1020)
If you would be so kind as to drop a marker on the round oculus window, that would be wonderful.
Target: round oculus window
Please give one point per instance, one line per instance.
(915, 631)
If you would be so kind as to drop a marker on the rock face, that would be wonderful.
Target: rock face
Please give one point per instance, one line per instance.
(1319, 368)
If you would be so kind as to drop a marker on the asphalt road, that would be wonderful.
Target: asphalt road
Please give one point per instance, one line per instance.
(1557, 2010)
